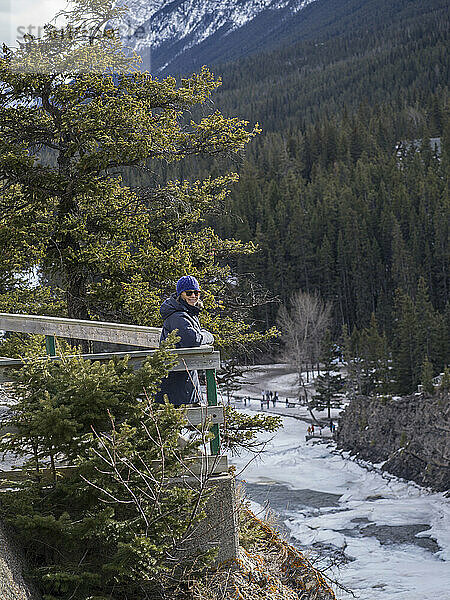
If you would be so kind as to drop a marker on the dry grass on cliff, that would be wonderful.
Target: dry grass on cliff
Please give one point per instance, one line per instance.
(268, 569)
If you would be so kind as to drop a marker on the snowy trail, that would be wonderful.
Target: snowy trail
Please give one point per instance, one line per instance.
(375, 519)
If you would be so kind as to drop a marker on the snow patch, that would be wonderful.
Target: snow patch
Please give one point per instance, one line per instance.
(152, 23)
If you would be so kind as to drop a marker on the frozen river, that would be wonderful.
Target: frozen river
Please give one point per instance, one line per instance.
(391, 536)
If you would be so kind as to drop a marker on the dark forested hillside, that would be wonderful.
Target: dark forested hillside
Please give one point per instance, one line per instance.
(344, 192)
(318, 22)
(382, 57)
(337, 209)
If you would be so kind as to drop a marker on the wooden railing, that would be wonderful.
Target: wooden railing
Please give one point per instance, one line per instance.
(200, 358)
(99, 331)
(203, 358)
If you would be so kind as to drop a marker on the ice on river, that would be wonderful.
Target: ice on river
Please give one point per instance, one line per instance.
(383, 565)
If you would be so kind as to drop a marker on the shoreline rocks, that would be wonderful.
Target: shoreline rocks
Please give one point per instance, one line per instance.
(410, 435)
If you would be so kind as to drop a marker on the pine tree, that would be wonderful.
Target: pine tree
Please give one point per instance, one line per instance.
(406, 370)
(431, 336)
(113, 250)
(329, 383)
(426, 378)
(402, 264)
(352, 357)
(445, 381)
(109, 525)
(375, 365)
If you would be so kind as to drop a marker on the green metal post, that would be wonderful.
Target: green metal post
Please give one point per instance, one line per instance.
(211, 395)
(50, 345)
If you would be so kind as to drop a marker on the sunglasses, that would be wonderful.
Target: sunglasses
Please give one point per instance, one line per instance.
(192, 293)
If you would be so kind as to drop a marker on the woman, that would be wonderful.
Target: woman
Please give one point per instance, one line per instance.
(180, 312)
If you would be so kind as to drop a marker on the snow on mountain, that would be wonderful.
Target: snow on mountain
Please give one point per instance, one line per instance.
(183, 24)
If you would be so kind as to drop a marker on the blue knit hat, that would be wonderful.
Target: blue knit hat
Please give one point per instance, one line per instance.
(187, 282)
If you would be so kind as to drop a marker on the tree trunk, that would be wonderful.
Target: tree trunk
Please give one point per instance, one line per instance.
(76, 281)
(77, 305)
(53, 468)
(76, 297)
(36, 462)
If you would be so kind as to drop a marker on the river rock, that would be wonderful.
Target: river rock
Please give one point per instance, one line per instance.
(410, 435)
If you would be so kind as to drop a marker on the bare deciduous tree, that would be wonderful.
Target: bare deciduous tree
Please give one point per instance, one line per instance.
(303, 324)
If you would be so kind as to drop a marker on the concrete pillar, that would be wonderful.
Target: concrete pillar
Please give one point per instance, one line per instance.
(219, 529)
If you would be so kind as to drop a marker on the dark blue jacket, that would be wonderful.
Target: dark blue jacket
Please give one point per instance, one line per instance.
(182, 387)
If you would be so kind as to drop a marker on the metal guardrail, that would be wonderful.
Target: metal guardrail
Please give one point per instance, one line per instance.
(204, 466)
(195, 416)
(279, 402)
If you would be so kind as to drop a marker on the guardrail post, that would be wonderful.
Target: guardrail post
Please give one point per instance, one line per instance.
(50, 345)
(211, 395)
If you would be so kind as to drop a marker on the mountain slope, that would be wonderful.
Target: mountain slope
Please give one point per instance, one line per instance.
(182, 35)
(321, 188)
(359, 57)
(165, 32)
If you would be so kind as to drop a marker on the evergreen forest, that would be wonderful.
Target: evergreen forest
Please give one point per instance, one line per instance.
(346, 190)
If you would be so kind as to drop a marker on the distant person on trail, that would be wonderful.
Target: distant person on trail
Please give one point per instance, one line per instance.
(180, 312)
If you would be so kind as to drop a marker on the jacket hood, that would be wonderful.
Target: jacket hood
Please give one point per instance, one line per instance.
(172, 305)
